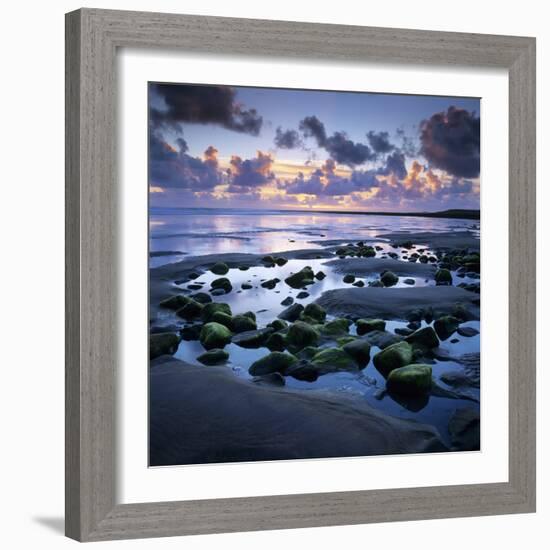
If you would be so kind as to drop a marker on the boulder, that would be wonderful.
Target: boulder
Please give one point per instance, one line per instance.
(302, 295)
(443, 277)
(333, 360)
(409, 281)
(165, 343)
(393, 357)
(381, 338)
(276, 342)
(291, 313)
(359, 283)
(201, 297)
(278, 324)
(425, 337)
(270, 284)
(349, 278)
(365, 326)
(246, 286)
(316, 312)
(214, 356)
(252, 338)
(209, 309)
(303, 371)
(214, 335)
(276, 361)
(319, 275)
(222, 283)
(336, 328)
(243, 323)
(190, 310)
(288, 301)
(301, 334)
(191, 332)
(446, 326)
(411, 380)
(388, 278)
(281, 261)
(174, 302)
(223, 319)
(301, 278)
(219, 268)
(359, 350)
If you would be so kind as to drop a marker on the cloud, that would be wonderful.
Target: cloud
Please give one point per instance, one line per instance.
(380, 142)
(287, 139)
(174, 168)
(174, 104)
(395, 164)
(338, 145)
(450, 141)
(250, 173)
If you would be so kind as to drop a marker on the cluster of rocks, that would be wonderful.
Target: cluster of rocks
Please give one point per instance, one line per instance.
(359, 250)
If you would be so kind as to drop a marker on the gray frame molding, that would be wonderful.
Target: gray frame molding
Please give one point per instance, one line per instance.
(92, 39)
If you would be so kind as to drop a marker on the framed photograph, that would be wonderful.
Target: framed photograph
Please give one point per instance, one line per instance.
(300, 275)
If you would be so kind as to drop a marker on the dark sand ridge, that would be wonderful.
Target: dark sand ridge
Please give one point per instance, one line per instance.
(161, 278)
(201, 415)
(370, 266)
(435, 241)
(397, 303)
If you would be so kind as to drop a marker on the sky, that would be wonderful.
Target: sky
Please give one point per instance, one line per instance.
(242, 147)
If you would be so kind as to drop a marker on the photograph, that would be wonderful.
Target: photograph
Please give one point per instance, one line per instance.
(314, 274)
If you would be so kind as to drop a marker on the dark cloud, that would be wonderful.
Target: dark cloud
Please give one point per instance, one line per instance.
(380, 142)
(338, 145)
(250, 173)
(395, 164)
(311, 126)
(408, 146)
(201, 105)
(450, 141)
(310, 186)
(174, 168)
(287, 139)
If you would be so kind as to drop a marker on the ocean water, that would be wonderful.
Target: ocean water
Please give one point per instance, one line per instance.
(196, 232)
(210, 231)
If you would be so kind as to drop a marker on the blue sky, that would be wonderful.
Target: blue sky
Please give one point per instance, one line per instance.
(280, 148)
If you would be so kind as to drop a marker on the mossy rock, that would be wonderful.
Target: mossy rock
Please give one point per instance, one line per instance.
(276, 342)
(252, 338)
(219, 268)
(349, 278)
(209, 309)
(359, 283)
(244, 268)
(191, 332)
(301, 334)
(413, 380)
(214, 335)
(280, 261)
(389, 278)
(393, 357)
(242, 323)
(278, 324)
(333, 360)
(336, 328)
(364, 326)
(214, 356)
(443, 277)
(223, 283)
(345, 340)
(250, 315)
(201, 297)
(315, 311)
(268, 260)
(191, 310)
(270, 284)
(446, 326)
(276, 361)
(223, 318)
(308, 352)
(291, 313)
(174, 302)
(359, 350)
(424, 337)
(164, 343)
(301, 278)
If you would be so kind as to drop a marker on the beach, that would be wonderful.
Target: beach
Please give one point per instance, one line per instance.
(286, 335)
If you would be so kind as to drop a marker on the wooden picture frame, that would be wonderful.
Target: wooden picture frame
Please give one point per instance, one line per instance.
(92, 39)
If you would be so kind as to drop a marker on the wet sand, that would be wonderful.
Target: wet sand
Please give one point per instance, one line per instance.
(206, 415)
